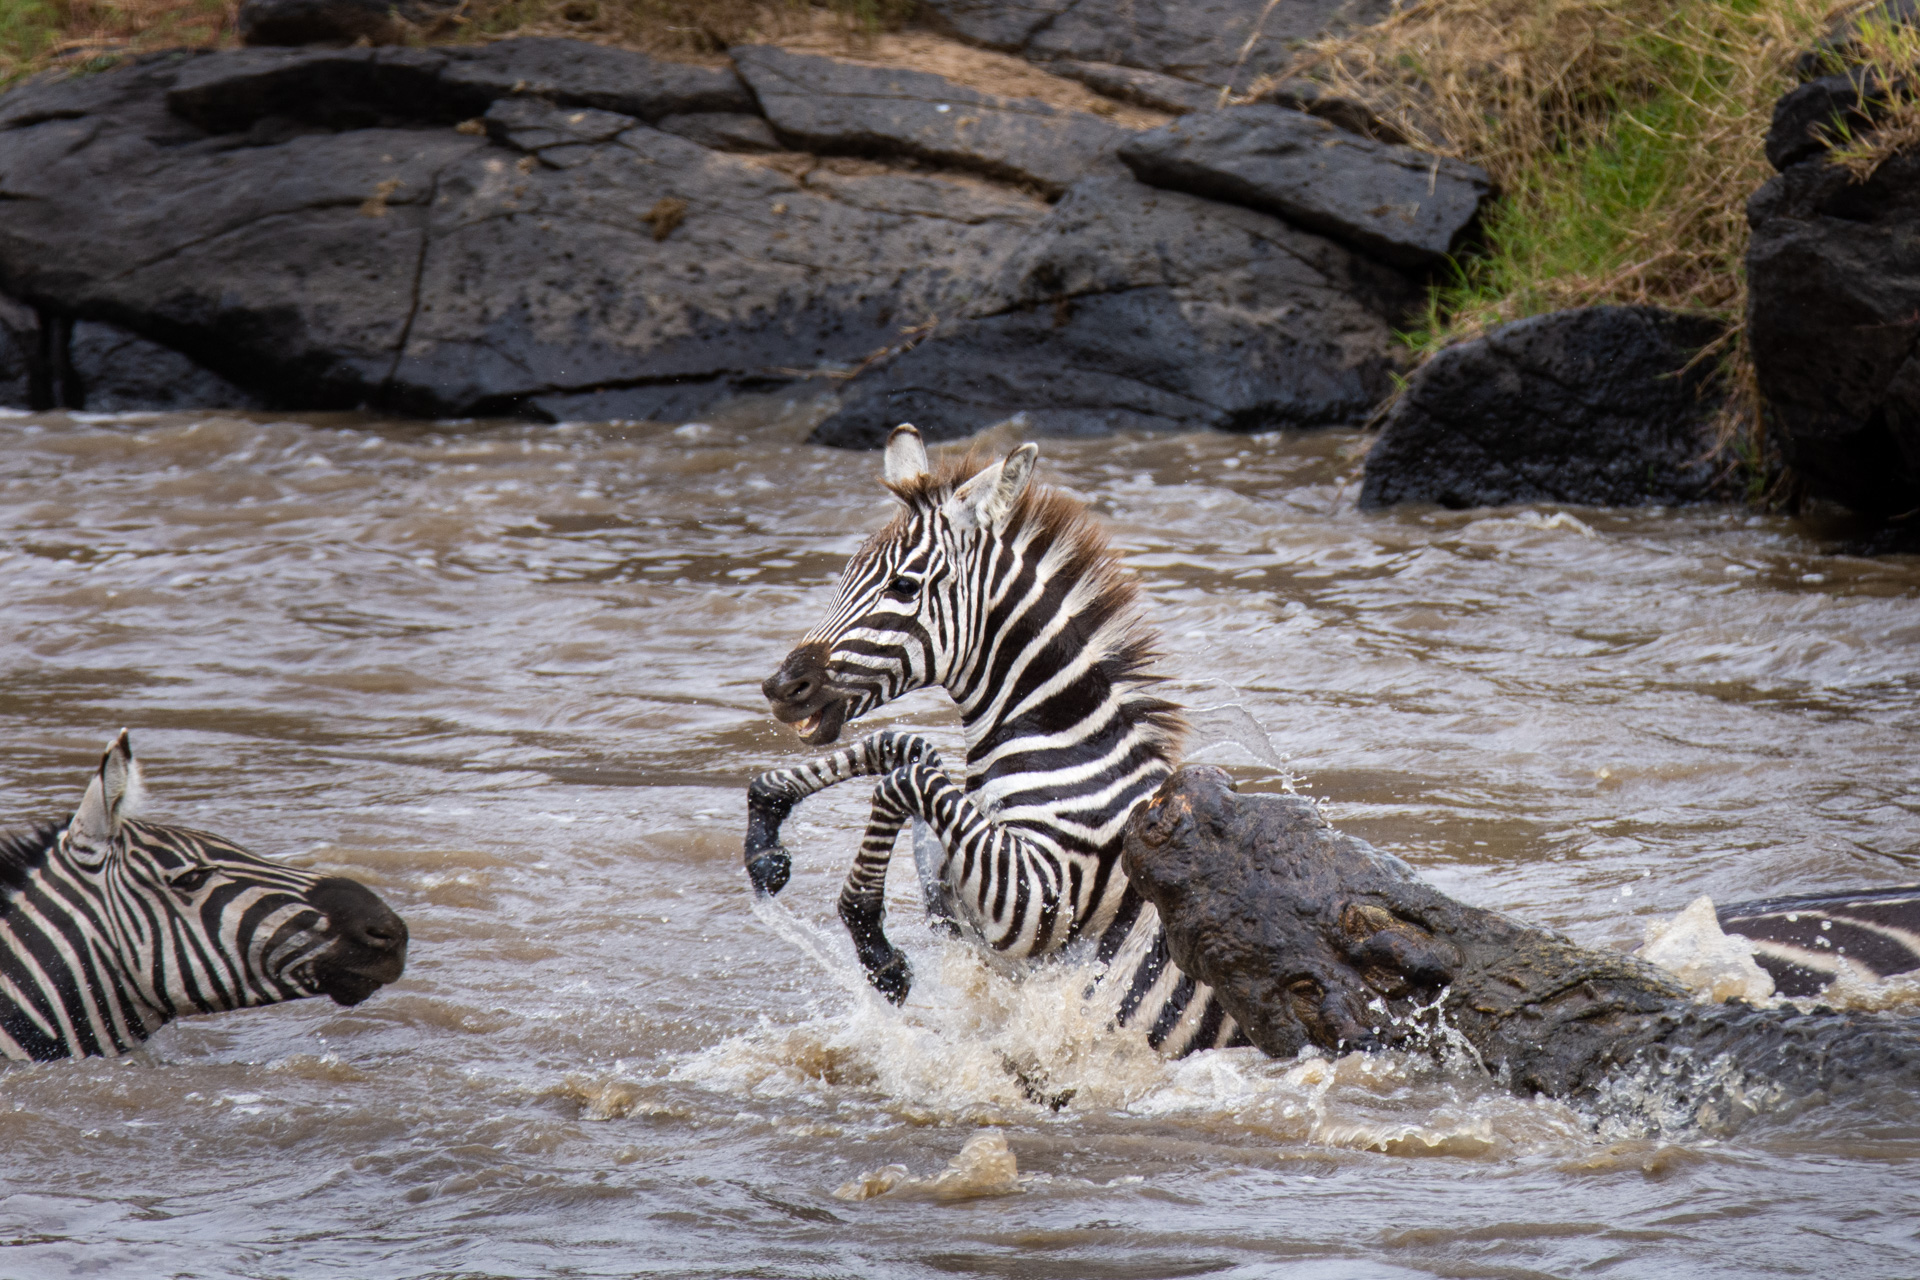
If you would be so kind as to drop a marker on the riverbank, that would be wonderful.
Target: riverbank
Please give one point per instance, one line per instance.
(1352, 191)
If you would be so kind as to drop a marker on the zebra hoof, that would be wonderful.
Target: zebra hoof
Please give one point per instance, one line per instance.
(769, 871)
(894, 979)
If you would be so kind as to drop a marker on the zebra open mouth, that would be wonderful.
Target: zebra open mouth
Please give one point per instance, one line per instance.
(807, 726)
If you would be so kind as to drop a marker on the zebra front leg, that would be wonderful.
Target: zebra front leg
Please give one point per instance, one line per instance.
(863, 902)
(772, 795)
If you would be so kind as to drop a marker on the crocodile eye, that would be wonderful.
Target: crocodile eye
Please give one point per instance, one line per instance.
(903, 588)
(188, 883)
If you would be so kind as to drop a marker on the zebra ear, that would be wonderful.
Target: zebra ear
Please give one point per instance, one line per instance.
(906, 458)
(109, 796)
(986, 499)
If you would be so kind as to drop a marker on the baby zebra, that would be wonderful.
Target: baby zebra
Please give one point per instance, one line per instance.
(1006, 595)
(111, 928)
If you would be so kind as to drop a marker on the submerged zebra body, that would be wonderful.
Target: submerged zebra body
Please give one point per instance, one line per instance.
(1007, 596)
(111, 928)
(1801, 940)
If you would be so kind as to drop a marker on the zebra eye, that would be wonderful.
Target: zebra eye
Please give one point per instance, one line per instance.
(903, 588)
(191, 882)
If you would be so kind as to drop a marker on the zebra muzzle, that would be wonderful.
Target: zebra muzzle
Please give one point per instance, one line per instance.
(369, 941)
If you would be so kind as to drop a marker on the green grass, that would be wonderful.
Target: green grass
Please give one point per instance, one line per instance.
(1645, 203)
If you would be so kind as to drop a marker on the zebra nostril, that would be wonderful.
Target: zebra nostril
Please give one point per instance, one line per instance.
(381, 937)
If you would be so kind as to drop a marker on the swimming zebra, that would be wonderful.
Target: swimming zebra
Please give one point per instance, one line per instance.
(1800, 940)
(1007, 595)
(110, 928)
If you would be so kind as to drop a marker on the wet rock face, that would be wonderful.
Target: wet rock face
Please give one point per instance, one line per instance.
(1596, 406)
(1393, 203)
(830, 106)
(1311, 937)
(552, 229)
(1128, 307)
(313, 226)
(1833, 319)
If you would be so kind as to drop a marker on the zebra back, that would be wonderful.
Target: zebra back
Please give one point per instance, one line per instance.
(1800, 940)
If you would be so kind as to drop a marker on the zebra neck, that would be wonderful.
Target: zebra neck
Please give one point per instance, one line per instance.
(1052, 721)
(65, 990)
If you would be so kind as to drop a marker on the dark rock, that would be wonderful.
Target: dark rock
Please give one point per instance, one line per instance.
(1833, 321)
(333, 89)
(826, 105)
(533, 126)
(342, 89)
(1595, 406)
(1809, 118)
(1350, 114)
(51, 362)
(1142, 88)
(121, 372)
(574, 74)
(1131, 307)
(1841, 45)
(997, 24)
(722, 130)
(19, 348)
(295, 22)
(1400, 205)
(1216, 42)
(1313, 938)
(415, 267)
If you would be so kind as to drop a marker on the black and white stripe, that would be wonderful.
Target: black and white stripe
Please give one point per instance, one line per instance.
(110, 928)
(1009, 598)
(1801, 940)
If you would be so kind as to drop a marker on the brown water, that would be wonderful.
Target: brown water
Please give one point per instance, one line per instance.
(508, 675)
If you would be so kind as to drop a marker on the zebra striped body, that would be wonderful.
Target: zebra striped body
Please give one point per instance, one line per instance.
(110, 928)
(1801, 940)
(1012, 602)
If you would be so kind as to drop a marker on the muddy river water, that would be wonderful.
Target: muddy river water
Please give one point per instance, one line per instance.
(508, 675)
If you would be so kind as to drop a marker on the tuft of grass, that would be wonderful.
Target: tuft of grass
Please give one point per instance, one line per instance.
(1881, 58)
(84, 34)
(1625, 137)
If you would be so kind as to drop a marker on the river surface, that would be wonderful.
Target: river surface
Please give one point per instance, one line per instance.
(508, 676)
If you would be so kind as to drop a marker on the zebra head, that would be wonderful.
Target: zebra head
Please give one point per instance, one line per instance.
(195, 924)
(908, 609)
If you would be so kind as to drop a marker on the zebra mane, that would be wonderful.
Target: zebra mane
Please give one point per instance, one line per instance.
(1053, 518)
(22, 852)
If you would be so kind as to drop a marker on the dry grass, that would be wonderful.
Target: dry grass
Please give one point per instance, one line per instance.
(1882, 58)
(35, 34)
(1625, 136)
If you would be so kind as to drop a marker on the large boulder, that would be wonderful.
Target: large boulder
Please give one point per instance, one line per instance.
(1400, 205)
(832, 106)
(1833, 307)
(331, 228)
(1132, 307)
(1604, 406)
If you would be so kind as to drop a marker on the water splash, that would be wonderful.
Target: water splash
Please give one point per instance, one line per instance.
(986, 1043)
(984, 1167)
(1694, 949)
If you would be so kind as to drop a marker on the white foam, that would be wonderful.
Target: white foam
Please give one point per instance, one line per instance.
(1717, 966)
(980, 1043)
